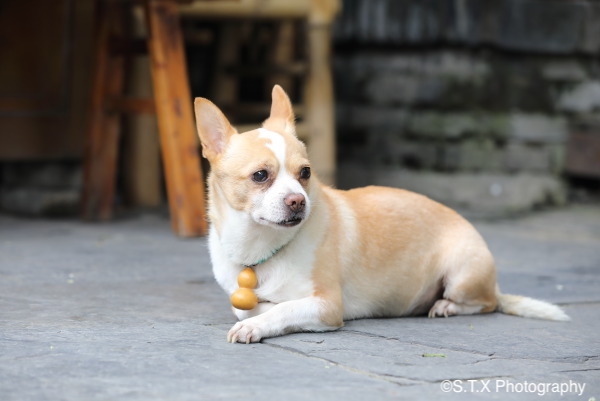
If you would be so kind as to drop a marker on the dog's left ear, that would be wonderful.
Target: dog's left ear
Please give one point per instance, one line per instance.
(282, 115)
(213, 128)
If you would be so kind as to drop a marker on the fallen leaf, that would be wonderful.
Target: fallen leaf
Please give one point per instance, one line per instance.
(434, 355)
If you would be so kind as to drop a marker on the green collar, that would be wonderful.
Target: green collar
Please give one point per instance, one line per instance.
(273, 253)
(263, 260)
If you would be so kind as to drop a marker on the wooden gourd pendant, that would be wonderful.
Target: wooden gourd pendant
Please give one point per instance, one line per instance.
(244, 297)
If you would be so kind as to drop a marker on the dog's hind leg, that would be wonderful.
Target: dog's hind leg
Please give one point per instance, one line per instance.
(468, 289)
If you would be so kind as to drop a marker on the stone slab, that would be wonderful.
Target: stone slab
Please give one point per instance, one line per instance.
(126, 311)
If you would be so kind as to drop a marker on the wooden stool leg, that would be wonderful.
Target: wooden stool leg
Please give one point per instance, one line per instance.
(100, 160)
(179, 143)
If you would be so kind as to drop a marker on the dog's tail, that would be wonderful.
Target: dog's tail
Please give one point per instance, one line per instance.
(529, 307)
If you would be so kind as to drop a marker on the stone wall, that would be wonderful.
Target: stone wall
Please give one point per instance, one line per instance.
(466, 101)
(49, 188)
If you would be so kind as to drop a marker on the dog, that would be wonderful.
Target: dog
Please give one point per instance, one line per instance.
(323, 256)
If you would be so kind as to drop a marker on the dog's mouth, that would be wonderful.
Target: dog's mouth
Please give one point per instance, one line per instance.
(291, 222)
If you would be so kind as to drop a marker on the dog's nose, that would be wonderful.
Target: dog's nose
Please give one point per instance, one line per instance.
(295, 202)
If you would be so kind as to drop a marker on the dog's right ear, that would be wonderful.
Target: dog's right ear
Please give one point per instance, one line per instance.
(213, 128)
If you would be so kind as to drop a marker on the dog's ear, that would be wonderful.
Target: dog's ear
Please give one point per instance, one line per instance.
(281, 107)
(213, 128)
(282, 115)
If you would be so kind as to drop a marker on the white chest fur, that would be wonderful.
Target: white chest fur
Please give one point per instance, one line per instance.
(285, 276)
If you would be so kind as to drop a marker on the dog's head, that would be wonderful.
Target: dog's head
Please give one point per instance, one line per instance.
(264, 173)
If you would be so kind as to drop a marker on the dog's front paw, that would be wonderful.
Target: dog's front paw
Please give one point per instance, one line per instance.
(244, 332)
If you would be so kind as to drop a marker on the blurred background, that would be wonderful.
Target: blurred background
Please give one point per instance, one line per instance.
(492, 107)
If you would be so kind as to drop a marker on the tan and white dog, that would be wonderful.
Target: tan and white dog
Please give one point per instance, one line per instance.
(323, 255)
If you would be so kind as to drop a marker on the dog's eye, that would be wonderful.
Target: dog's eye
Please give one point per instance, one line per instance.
(260, 176)
(305, 173)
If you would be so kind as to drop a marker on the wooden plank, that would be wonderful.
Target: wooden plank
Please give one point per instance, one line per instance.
(122, 104)
(44, 137)
(247, 8)
(179, 143)
(34, 62)
(44, 78)
(134, 46)
(101, 152)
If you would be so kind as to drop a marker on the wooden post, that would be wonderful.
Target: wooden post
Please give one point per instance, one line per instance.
(100, 165)
(282, 55)
(320, 103)
(225, 85)
(320, 109)
(142, 175)
(179, 143)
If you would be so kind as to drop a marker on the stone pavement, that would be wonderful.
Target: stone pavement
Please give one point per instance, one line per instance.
(126, 311)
